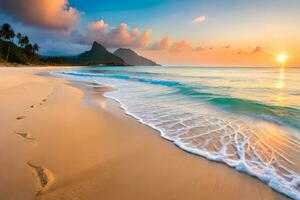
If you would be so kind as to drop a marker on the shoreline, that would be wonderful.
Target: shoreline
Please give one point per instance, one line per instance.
(101, 151)
(162, 134)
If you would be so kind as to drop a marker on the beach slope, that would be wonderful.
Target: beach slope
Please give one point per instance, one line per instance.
(62, 140)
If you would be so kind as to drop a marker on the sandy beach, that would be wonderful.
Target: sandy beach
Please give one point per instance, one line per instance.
(62, 140)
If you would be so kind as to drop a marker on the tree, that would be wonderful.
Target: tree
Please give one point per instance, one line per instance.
(36, 48)
(24, 41)
(23, 50)
(7, 33)
(29, 50)
(19, 36)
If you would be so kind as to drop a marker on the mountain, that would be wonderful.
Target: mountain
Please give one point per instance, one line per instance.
(98, 55)
(132, 58)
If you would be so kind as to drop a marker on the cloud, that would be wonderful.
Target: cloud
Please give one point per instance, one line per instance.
(181, 45)
(99, 25)
(161, 45)
(257, 50)
(112, 37)
(227, 47)
(199, 19)
(48, 14)
(199, 49)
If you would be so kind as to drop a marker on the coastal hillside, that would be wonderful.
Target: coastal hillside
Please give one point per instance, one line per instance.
(132, 58)
(16, 48)
(20, 52)
(97, 55)
(9, 52)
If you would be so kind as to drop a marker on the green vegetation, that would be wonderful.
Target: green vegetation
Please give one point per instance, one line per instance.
(17, 49)
(22, 53)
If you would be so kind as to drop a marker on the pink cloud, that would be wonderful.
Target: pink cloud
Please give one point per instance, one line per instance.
(167, 44)
(161, 45)
(49, 14)
(143, 39)
(99, 25)
(112, 37)
(135, 32)
(199, 19)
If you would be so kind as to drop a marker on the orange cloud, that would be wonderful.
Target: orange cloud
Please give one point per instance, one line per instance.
(99, 25)
(161, 45)
(181, 45)
(219, 57)
(49, 14)
(199, 19)
(114, 37)
(257, 50)
(227, 47)
(199, 49)
(141, 40)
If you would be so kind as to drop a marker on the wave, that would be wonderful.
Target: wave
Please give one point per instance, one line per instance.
(236, 135)
(277, 114)
(280, 115)
(233, 141)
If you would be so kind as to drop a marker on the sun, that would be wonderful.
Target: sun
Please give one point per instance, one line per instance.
(282, 58)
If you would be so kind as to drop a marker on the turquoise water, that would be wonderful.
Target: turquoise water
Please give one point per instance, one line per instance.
(247, 118)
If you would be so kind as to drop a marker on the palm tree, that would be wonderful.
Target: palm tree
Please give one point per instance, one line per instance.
(7, 33)
(24, 41)
(30, 51)
(19, 36)
(29, 48)
(36, 47)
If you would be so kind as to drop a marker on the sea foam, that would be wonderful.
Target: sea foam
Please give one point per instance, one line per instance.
(256, 146)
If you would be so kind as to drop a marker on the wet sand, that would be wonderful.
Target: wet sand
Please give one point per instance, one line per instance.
(58, 142)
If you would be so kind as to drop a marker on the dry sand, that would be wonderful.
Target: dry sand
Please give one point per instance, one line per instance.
(53, 146)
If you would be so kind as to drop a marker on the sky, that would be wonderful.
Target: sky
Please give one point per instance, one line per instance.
(170, 32)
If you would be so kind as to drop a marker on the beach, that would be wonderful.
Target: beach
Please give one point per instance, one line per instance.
(65, 140)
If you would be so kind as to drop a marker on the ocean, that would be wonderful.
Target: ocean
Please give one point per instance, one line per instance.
(247, 118)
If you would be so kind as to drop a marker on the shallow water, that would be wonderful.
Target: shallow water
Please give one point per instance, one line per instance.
(248, 118)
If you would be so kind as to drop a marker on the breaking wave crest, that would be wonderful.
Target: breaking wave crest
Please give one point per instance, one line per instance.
(250, 136)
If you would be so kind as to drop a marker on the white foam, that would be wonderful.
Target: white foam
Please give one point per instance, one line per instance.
(256, 147)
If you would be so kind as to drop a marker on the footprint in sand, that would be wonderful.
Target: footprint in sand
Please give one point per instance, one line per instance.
(45, 177)
(27, 136)
(21, 117)
(43, 101)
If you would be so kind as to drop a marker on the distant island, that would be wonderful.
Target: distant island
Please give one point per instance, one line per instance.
(24, 53)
